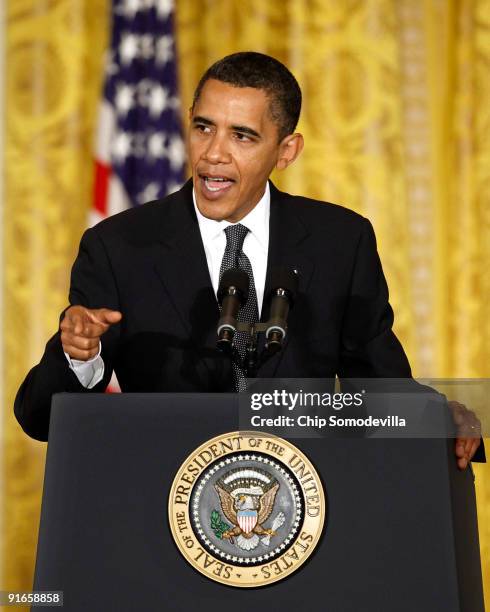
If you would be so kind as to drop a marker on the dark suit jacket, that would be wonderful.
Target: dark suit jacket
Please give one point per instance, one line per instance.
(149, 263)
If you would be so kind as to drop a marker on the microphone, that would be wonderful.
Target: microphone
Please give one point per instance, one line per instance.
(284, 288)
(232, 293)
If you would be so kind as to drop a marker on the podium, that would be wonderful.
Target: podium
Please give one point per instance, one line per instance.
(400, 532)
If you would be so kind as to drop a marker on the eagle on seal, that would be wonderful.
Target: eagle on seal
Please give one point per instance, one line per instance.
(247, 499)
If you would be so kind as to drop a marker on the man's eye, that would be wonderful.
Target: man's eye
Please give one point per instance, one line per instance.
(205, 129)
(242, 137)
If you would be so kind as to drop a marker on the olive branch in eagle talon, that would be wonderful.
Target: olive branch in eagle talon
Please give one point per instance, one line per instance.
(218, 525)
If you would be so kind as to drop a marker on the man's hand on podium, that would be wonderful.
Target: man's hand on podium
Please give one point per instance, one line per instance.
(469, 433)
(82, 328)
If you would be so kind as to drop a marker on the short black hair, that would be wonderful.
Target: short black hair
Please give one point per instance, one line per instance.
(260, 71)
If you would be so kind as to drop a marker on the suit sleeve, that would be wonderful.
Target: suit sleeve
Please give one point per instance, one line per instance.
(93, 286)
(369, 347)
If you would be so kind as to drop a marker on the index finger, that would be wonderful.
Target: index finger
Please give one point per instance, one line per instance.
(92, 330)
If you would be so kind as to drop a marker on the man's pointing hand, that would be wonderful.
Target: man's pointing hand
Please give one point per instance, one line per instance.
(82, 328)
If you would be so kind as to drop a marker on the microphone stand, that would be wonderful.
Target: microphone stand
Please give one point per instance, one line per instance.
(251, 364)
(252, 361)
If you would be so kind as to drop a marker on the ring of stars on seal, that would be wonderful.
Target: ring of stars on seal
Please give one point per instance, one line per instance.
(229, 461)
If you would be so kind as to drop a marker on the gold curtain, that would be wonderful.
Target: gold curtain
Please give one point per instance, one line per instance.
(396, 113)
(54, 54)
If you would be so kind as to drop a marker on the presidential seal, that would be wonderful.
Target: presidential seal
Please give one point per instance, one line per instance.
(246, 509)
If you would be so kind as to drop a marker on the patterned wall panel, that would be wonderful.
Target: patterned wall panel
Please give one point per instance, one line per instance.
(53, 63)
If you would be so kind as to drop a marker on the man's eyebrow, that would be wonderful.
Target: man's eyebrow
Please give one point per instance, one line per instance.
(199, 119)
(243, 129)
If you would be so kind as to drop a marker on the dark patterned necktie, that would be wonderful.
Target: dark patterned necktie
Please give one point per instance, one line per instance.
(234, 257)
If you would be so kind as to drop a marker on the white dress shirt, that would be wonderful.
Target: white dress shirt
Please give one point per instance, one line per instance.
(255, 247)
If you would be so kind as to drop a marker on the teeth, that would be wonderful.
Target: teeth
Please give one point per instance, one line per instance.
(218, 179)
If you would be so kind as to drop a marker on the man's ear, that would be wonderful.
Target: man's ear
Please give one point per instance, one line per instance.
(289, 149)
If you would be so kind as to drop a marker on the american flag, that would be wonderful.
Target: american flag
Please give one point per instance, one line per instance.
(139, 152)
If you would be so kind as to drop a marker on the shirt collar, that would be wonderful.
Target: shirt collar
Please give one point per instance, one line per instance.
(257, 220)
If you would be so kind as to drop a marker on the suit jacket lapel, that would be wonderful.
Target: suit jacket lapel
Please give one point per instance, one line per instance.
(180, 262)
(288, 247)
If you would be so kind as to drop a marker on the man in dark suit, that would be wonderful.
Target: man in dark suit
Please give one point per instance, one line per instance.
(143, 287)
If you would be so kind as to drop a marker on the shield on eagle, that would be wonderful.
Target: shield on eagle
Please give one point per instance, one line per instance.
(247, 519)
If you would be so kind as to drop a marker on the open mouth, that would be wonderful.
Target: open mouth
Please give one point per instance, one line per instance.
(215, 184)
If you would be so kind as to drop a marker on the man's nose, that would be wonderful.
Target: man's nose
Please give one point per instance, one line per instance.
(217, 150)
